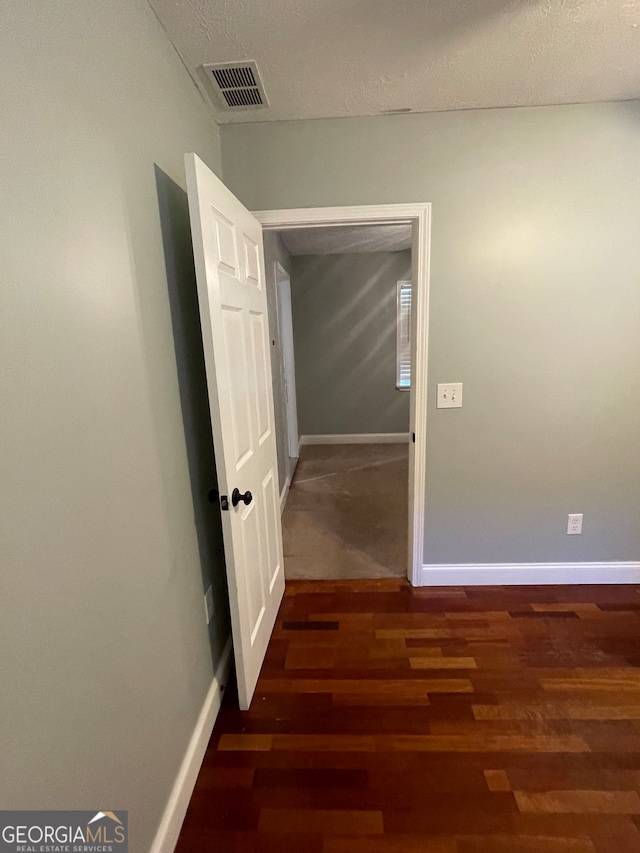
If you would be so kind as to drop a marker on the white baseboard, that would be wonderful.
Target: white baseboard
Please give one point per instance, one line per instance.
(357, 438)
(509, 574)
(284, 494)
(178, 802)
(292, 467)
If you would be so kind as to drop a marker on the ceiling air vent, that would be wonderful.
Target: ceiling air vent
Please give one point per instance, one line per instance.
(237, 85)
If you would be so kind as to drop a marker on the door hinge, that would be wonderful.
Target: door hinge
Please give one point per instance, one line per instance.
(224, 502)
(413, 437)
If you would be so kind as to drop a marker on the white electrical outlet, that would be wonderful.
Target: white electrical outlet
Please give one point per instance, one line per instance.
(208, 604)
(574, 525)
(449, 395)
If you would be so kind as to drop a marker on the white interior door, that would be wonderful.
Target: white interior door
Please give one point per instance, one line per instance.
(229, 257)
(285, 317)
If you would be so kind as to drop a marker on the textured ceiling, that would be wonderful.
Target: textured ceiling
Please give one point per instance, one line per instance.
(321, 58)
(342, 239)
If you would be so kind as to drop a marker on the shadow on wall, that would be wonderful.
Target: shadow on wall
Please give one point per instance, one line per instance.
(194, 399)
(344, 323)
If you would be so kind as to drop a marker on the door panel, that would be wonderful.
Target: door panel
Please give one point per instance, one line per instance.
(253, 556)
(252, 262)
(233, 315)
(239, 403)
(271, 503)
(263, 384)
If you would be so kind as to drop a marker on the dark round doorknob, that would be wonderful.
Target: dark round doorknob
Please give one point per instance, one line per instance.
(237, 496)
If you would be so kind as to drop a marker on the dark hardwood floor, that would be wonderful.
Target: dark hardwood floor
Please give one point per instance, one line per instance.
(393, 720)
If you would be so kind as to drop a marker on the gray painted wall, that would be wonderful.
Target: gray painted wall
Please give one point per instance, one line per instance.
(275, 251)
(107, 542)
(535, 307)
(344, 327)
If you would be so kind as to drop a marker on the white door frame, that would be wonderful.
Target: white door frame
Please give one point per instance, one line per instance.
(285, 330)
(419, 216)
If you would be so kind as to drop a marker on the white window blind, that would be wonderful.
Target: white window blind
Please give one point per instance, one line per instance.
(403, 337)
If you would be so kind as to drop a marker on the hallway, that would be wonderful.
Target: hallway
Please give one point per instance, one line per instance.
(347, 512)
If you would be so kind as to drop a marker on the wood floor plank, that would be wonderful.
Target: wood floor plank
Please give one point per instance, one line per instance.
(476, 615)
(393, 844)
(382, 687)
(325, 821)
(583, 608)
(437, 662)
(246, 742)
(569, 711)
(394, 720)
(582, 802)
(324, 743)
(381, 700)
(413, 633)
(310, 778)
(621, 836)
(604, 678)
(310, 658)
(603, 712)
(482, 742)
(497, 780)
(226, 777)
(524, 844)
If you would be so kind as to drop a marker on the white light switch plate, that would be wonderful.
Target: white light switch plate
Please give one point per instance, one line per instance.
(449, 395)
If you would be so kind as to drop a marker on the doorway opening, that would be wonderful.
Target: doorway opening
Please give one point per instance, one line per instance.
(349, 294)
(233, 296)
